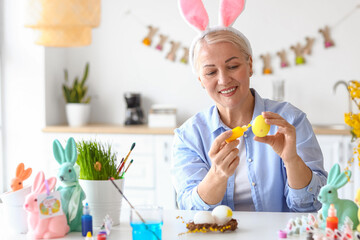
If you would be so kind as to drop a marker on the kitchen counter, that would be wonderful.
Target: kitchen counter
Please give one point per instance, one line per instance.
(144, 129)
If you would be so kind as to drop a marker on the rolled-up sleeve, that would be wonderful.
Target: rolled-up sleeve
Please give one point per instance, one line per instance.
(188, 170)
(305, 199)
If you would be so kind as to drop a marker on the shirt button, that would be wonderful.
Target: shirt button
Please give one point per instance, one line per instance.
(310, 189)
(245, 135)
(253, 183)
(250, 160)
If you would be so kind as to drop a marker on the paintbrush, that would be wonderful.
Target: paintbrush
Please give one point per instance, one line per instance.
(127, 156)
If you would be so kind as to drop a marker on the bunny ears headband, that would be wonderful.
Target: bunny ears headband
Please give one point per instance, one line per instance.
(195, 14)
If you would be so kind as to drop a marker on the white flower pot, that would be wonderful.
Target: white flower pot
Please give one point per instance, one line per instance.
(103, 199)
(78, 114)
(14, 212)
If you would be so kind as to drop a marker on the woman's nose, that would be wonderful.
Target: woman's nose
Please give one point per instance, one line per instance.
(224, 78)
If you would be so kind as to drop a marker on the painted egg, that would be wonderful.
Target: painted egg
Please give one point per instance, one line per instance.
(259, 127)
(222, 214)
(203, 217)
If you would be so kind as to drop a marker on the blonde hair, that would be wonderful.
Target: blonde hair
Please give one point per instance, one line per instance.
(221, 36)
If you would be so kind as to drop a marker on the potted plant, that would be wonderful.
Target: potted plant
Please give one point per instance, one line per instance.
(77, 104)
(97, 163)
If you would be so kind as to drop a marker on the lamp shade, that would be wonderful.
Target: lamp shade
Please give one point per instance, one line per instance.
(63, 23)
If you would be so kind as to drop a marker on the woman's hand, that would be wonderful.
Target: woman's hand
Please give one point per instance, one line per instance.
(284, 144)
(284, 141)
(224, 160)
(224, 156)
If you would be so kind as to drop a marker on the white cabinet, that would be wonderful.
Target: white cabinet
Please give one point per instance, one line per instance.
(339, 149)
(148, 179)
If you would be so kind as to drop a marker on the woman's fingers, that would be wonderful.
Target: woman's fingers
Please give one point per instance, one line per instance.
(218, 143)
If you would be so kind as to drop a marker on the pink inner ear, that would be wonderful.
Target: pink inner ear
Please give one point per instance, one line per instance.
(230, 10)
(195, 13)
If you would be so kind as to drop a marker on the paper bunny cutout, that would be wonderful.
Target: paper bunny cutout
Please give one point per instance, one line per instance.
(267, 63)
(21, 175)
(299, 54)
(48, 228)
(162, 40)
(308, 46)
(328, 195)
(283, 59)
(72, 195)
(328, 42)
(172, 53)
(148, 39)
(194, 13)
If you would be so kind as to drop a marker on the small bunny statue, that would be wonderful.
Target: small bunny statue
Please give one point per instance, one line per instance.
(328, 195)
(72, 195)
(21, 175)
(48, 228)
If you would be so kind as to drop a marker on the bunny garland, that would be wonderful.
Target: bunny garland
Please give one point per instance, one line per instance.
(54, 227)
(328, 195)
(196, 16)
(72, 195)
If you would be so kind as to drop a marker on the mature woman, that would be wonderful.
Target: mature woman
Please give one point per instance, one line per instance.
(280, 172)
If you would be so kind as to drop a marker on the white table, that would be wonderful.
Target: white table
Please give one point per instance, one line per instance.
(251, 225)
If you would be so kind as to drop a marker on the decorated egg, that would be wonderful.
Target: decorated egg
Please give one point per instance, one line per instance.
(222, 214)
(203, 217)
(259, 127)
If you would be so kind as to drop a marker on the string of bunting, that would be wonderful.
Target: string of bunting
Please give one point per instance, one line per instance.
(163, 39)
(301, 50)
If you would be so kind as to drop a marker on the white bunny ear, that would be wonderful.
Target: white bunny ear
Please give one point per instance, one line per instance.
(194, 13)
(230, 10)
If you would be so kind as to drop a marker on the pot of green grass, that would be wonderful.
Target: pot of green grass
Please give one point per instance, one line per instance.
(97, 163)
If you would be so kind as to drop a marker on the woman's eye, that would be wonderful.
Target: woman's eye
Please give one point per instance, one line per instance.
(210, 73)
(234, 67)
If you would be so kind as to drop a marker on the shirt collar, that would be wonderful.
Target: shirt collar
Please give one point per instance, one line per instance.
(216, 123)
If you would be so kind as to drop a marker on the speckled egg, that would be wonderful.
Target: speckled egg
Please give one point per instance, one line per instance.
(203, 217)
(222, 214)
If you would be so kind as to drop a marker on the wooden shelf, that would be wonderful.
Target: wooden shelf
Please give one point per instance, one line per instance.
(108, 128)
(144, 129)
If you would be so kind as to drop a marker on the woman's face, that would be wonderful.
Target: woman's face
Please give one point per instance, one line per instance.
(224, 72)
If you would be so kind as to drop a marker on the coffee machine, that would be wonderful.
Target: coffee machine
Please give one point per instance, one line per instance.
(134, 114)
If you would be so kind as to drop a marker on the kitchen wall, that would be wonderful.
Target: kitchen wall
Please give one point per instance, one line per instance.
(32, 75)
(120, 62)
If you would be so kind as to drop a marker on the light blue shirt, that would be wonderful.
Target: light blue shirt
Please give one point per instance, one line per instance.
(266, 171)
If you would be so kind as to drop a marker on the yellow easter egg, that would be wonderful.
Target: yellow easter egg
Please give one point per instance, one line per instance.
(259, 127)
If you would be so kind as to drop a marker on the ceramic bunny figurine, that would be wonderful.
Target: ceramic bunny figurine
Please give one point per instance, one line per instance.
(47, 228)
(71, 192)
(328, 195)
(21, 175)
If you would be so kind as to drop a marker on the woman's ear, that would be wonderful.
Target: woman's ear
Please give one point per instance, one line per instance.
(250, 66)
(201, 83)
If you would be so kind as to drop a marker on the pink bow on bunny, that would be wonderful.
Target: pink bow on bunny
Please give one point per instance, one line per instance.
(54, 227)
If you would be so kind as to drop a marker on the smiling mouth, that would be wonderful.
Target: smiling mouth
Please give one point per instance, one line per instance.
(228, 90)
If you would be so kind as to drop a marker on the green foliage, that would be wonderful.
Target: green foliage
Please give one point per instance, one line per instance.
(76, 93)
(91, 155)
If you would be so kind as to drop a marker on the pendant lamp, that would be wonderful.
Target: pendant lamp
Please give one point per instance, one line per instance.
(63, 23)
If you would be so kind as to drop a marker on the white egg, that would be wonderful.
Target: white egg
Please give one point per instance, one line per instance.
(203, 217)
(222, 214)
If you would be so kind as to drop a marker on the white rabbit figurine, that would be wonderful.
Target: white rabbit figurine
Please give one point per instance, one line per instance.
(328, 195)
(72, 195)
(54, 227)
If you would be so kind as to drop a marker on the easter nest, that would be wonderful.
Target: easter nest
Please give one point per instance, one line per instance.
(207, 227)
